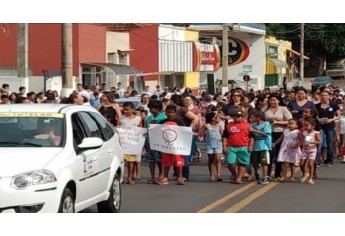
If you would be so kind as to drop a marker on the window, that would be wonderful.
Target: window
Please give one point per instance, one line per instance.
(106, 129)
(78, 133)
(112, 57)
(90, 125)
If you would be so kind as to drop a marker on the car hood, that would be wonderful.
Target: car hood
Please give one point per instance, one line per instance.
(322, 82)
(14, 161)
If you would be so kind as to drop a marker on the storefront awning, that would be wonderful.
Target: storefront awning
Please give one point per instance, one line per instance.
(297, 53)
(279, 63)
(118, 69)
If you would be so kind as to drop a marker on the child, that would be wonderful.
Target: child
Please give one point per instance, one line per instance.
(262, 134)
(290, 150)
(306, 115)
(236, 145)
(172, 159)
(137, 164)
(311, 139)
(153, 156)
(129, 119)
(213, 142)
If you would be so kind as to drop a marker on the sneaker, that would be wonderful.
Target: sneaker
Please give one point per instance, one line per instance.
(222, 157)
(264, 181)
(329, 165)
(311, 181)
(343, 161)
(303, 179)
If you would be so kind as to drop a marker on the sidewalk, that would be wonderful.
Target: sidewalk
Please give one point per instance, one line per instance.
(291, 84)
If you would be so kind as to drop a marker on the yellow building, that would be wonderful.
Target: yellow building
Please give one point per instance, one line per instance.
(277, 60)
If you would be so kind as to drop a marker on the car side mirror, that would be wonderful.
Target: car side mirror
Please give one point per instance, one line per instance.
(90, 143)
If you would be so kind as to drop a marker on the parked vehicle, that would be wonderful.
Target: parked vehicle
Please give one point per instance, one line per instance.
(134, 100)
(321, 81)
(336, 70)
(58, 158)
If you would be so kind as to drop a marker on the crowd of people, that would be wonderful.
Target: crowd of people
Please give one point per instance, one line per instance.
(259, 134)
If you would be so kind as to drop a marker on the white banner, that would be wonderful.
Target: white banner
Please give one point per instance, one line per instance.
(171, 139)
(132, 139)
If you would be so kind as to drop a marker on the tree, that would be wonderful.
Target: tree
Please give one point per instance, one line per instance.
(323, 42)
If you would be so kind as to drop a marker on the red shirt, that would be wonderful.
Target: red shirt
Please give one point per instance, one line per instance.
(238, 134)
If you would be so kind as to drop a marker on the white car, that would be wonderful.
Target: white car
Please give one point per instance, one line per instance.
(58, 158)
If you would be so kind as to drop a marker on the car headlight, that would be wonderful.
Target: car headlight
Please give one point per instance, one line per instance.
(26, 179)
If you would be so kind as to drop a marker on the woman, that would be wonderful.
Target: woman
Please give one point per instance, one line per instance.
(236, 99)
(76, 99)
(261, 103)
(145, 99)
(297, 106)
(190, 119)
(189, 104)
(204, 103)
(218, 97)
(329, 112)
(13, 97)
(110, 109)
(278, 116)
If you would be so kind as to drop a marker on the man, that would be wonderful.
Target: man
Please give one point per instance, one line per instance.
(5, 99)
(22, 91)
(285, 83)
(158, 90)
(5, 89)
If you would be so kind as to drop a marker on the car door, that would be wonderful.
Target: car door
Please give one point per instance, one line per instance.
(87, 162)
(102, 157)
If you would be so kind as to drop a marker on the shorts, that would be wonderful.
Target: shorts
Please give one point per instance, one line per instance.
(138, 158)
(172, 160)
(239, 155)
(308, 154)
(153, 156)
(212, 149)
(260, 157)
(130, 157)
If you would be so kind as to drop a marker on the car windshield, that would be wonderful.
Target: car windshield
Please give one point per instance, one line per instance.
(31, 129)
(335, 66)
(321, 79)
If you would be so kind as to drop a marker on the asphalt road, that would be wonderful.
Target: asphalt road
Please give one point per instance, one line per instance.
(201, 195)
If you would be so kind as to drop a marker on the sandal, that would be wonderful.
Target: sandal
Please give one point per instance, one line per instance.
(130, 182)
(180, 181)
(281, 179)
(163, 181)
(151, 181)
(219, 179)
(238, 182)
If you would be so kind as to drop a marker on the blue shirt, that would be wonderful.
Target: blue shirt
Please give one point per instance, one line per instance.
(262, 143)
(294, 106)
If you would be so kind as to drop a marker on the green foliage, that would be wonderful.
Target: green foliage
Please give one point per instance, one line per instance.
(323, 40)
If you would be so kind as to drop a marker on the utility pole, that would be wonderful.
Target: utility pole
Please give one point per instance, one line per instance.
(225, 52)
(66, 60)
(301, 60)
(22, 53)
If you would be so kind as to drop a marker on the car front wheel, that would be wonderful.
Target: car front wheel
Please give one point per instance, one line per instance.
(113, 204)
(67, 202)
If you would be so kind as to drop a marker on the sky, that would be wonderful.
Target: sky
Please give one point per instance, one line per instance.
(177, 11)
(155, 11)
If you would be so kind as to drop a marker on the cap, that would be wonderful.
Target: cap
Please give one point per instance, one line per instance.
(237, 112)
